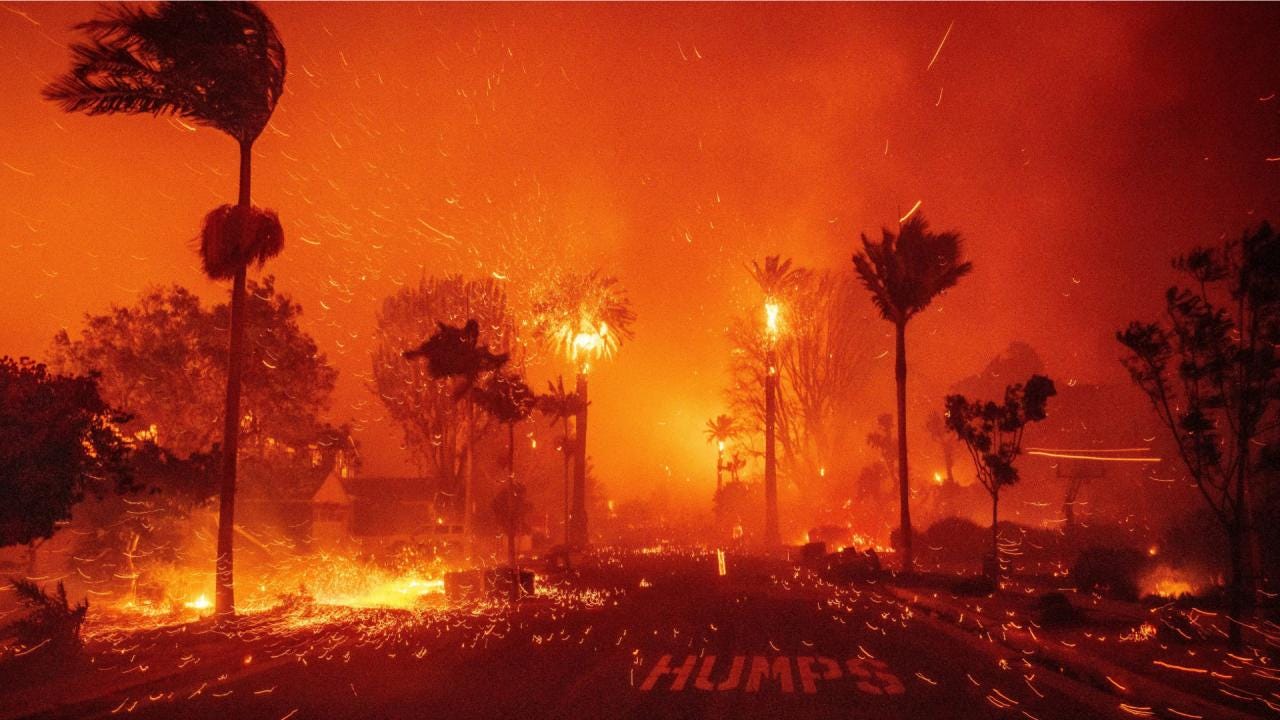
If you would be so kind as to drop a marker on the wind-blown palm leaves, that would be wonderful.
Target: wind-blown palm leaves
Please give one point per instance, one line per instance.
(584, 316)
(904, 273)
(217, 64)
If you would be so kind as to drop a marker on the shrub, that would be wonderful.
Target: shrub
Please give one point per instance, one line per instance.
(1113, 572)
(1053, 609)
(52, 623)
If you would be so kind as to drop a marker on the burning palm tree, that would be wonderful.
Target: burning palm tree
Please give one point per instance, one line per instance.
(221, 65)
(585, 317)
(904, 273)
(777, 279)
(720, 430)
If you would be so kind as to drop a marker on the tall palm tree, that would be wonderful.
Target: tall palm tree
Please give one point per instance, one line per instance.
(904, 273)
(509, 400)
(585, 317)
(720, 430)
(221, 65)
(777, 280)
(560, 405)
(456, 352)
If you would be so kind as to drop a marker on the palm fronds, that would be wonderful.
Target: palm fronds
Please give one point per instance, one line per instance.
(905, 271)
(584, 315)
(777, 278)
(233, 236)
(219, 64)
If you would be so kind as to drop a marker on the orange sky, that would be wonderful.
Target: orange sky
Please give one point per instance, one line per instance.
(1076, 148)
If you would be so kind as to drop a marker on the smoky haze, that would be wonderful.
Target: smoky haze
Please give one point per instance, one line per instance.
(1076, 148)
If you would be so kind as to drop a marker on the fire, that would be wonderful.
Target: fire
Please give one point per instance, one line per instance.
(1166, 582)
(937, 478)
(771, 311)
(200, 603)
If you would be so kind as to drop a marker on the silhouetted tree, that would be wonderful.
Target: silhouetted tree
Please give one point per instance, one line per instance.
(216, 64)
(164, 361)
(57, 442)
(455, 352)
(508, 400)
(584, 317)
(904, 273)
(1212, 373)
(561, 405)
(992, 432)
(439, 429)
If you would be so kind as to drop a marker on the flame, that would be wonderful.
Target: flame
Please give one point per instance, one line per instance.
(771, 312)
(200, 603)
(1166, 582)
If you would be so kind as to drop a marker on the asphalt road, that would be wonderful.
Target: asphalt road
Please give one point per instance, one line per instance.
(655, 636)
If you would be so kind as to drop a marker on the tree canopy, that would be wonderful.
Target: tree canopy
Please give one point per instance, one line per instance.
(58, 440)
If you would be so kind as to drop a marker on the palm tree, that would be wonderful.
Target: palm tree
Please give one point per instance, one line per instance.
(585, 317)
(720, 430)
(777, 280)
(456, 352)
(561, 405)
(509, 400)
(221, 65)
(904, 273)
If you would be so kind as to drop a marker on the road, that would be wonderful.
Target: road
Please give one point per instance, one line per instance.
(640, 635)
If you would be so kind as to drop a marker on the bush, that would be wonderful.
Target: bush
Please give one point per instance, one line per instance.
(1112, 572)
(974, 586)
(1053, 609)
(52, 623)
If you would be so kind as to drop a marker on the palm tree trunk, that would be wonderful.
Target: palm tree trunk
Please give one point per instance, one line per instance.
(225, 605)
(467, 544)
(772, 538)
(904, 493)
(719, 469)
(578, 518)
(564, 456)
(511, 512)
(995, 535)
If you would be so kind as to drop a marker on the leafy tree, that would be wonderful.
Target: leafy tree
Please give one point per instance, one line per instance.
(992, 433)
(818, 373)
(584, 317)
(435, 414)
(904, 273)
(1212, 373)
(162, 361)
(508, 400)
(57, 442)
(217, 64)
